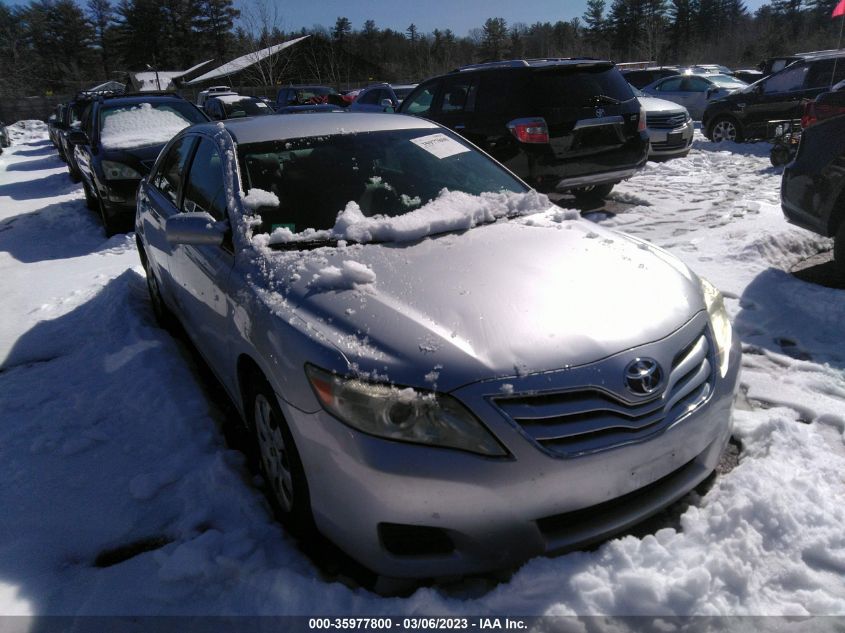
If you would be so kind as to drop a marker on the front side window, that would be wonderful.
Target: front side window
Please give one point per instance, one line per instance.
(788, 80)
(696, 84)
(386, 173)
(420, 102)
(458, 95)
(670, 85)
(169, 176)
(204, 190)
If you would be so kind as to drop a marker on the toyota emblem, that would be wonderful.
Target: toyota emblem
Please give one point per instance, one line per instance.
(599, 113)
(643, 376)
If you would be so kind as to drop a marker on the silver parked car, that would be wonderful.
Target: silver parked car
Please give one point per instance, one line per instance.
(694, 91)
(670, 127)
(443, 374)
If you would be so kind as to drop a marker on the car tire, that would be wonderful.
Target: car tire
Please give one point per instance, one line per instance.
(90, 198)
(839, 252)
(592, 193)
(725, 128)
(278, 459)
(108, 221)
(163, 316)
(779, 155)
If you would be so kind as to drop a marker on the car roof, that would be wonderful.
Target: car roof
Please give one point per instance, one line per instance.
(535, 63)
(140, 98)
(279, 128)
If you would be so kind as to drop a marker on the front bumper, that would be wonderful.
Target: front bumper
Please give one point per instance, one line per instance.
(499, 512)
(670, 142)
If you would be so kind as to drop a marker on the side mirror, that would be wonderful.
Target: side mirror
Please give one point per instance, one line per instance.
(77, 137)
(388, 106)
(194, 228)
(711, 91)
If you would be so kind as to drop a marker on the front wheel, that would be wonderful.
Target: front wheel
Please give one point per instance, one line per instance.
(279, 461)
(725, 128)
(592, 193)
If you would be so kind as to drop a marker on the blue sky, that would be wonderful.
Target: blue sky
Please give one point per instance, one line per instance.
(458, 15)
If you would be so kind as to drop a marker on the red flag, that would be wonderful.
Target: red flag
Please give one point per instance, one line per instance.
(839, 9)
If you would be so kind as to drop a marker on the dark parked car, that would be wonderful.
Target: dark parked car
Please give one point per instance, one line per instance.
(119, 141)
(53, 122)
(571, 124)
(644, 76)
(813, 185)
(235, 106)
(747, 114)
(4, 137)
(70, 122)
(380, 98)
(307, 95)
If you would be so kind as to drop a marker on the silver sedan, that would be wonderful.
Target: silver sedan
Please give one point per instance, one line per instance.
(693, 91)
(670, 127)
(443, 374)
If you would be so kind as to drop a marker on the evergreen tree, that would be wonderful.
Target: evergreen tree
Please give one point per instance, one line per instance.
(215, 21)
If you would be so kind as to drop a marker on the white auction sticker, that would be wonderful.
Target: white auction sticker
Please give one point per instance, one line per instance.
(440, 145)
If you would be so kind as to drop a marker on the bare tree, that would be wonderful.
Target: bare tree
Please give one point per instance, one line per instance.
(263, 22)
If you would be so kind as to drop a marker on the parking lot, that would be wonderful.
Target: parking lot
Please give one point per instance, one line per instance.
(122, 495)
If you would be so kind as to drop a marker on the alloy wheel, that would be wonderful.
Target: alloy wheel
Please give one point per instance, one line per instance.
(274, 453)
(724, 130)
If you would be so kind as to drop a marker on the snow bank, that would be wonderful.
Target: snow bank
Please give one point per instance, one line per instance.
(140, 125)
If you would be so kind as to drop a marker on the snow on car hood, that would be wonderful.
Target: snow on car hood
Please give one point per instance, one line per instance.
(503, 299)
(653, 105)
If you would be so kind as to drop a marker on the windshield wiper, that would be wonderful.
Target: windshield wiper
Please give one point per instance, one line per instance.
(302, 245)
(604, 99)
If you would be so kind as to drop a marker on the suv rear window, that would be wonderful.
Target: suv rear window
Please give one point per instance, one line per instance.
(577, 87)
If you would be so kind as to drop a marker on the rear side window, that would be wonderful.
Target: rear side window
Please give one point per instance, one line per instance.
(204, 188)
(503, 92)
(577, 87)
(821, 75)
(172, 169)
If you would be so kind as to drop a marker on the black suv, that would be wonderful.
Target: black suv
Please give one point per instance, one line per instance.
(747, 114)
(813, 185)
(557, 123)
(118, 143)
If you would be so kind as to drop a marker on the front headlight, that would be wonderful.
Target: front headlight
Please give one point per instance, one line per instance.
(406, 414)
(119, 171)
(719, 322)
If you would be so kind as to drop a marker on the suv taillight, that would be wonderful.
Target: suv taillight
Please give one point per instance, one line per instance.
(641, 125)
(532, 130)
(808, 117)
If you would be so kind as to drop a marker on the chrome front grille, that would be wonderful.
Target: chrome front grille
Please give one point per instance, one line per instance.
(665, 121)
(578, 421)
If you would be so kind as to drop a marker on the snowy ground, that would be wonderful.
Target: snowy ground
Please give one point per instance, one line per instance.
(109, 441)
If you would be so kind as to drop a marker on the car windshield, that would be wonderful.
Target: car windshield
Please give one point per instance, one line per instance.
(145, 123)
(245, 107)
(725, 80)
(305, 183)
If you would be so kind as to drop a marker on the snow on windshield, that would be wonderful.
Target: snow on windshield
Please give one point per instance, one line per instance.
(140, 125)
(449, 211)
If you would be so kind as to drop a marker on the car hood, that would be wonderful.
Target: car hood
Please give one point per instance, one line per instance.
(140, 158)
(499, 300)
(653, 105)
